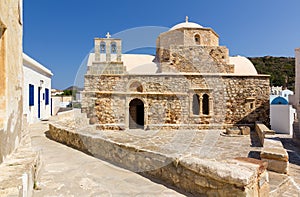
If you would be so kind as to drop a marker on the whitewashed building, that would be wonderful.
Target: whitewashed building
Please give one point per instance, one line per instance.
(278, 91)
(282, 115)
(37, 90)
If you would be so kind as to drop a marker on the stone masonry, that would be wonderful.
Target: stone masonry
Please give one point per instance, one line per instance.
(195, 87)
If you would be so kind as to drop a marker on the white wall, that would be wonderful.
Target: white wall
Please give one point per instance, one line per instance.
(34, 76)
(55, 105)
(282, 118)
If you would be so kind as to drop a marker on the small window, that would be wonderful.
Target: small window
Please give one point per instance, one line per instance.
(102, 47)
(197, 39)
(196, 104)
(47, 96)
(31, 95)
(113, 47)
(251, 105)
(205, 104)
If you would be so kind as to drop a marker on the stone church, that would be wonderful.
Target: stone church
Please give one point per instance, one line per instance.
(191, 83)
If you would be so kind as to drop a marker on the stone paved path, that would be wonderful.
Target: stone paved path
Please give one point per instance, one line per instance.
(68, 172)
(294, 168)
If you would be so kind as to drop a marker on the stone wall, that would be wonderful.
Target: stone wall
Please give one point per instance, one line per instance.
(198, 59)
(247, 99)
(11, 76)
(178, 51)
(168, 99)
(164, 43)
(237, 177)
(207, 37)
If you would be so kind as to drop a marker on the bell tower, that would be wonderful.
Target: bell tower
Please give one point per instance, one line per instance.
(108, 53)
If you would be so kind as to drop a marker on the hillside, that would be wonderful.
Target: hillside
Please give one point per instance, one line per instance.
(281, 69)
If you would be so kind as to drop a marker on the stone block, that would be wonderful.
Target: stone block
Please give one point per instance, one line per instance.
(273, 143)
(264, 187)
(269, 132)
(245, 130)
(233, 131)
(262, 164)
(259, 129)
(279, 154)
(277, 165)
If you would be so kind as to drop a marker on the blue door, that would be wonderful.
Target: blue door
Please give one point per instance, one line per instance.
(39, 102)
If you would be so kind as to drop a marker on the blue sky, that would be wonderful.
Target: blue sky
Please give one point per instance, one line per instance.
(59, 33)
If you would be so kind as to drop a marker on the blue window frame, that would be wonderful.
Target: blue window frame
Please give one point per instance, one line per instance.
(46, 96)
(31, 95)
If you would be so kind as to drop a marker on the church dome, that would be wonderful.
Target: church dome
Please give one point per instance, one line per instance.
(186, 24)
(279, 101)
(242, 65)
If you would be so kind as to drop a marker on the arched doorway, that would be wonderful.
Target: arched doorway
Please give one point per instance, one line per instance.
(136, 114)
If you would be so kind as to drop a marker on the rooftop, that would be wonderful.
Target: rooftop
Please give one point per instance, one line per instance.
(186, 24)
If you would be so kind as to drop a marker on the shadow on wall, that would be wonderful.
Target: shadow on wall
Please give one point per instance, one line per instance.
(261, 114)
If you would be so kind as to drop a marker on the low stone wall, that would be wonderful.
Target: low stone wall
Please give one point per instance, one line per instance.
(79, 119)
(197, 176)
(276, 155)
(273, 151)
(262, 130)
(21, 171)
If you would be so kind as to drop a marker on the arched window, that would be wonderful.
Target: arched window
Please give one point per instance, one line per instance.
(136, 87)
(197, 39)
(102, 47)
(196, 104)
(205, 104)
(113, 47)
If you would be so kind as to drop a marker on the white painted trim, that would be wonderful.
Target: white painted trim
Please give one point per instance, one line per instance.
(31, 63)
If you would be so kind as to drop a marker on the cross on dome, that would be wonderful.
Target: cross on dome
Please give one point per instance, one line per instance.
(187, 19)
(108, 35)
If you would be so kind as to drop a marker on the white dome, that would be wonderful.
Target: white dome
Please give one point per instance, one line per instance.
(186, 25)
(242, 65)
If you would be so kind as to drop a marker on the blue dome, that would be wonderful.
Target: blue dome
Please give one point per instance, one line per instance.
(279, 101)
